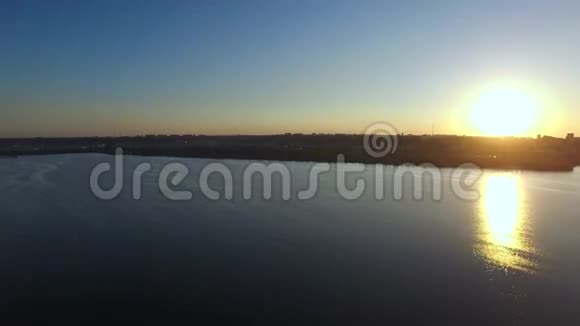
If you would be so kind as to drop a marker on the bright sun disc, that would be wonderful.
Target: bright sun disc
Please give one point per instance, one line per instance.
(504, 112)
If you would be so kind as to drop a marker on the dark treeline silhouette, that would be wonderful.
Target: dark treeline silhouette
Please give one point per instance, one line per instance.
(543, 153)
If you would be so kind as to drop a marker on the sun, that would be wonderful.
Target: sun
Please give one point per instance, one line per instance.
(504, 112)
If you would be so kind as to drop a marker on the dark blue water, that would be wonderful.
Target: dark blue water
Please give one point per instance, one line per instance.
(509, 258)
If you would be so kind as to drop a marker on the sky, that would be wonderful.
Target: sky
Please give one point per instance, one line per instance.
(96, 68)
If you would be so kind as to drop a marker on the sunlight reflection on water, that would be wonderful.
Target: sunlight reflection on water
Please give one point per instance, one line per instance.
(505, 224)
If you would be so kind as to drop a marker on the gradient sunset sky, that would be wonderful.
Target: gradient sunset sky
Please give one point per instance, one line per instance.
(84, 68)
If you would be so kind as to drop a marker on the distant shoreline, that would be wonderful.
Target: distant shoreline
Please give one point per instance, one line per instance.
(500, 169)
(543, 154)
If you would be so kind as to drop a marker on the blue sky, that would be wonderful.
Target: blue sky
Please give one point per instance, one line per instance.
(226, 67)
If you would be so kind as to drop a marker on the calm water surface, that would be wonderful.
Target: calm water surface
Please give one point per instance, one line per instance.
(510, 257)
